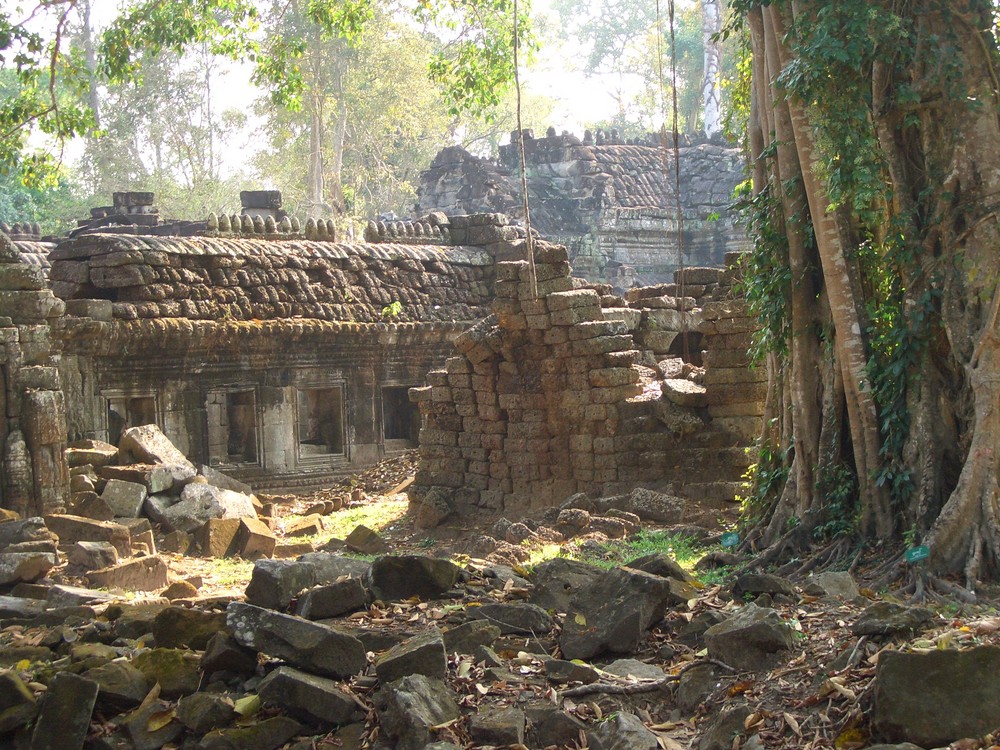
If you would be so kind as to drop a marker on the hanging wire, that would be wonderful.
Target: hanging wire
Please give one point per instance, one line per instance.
(529, 242)
(665, 161)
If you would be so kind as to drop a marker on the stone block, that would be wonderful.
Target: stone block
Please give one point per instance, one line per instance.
(25, 566)
(64, 719)
(92, 555)
(140, 574)
(72, 529)
(307, 696)
(317, 648)
(94, 452)
(124, 498)
(423, 654)
(332, 600)
(148, 444)
(155, 478)
(201, 502)
(217, 537)
(254, 539)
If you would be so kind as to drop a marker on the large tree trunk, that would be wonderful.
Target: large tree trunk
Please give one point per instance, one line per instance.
(940, 157)
(845, 307)
(711, 94)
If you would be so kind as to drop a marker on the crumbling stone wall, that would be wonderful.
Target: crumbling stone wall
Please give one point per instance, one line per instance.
(563, 393)
(610, 202)
(34, 478)
(243, 339)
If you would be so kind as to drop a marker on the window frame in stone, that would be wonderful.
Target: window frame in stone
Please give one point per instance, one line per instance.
(111, 395)
(258, 423)
(395, 444)
(309, 459)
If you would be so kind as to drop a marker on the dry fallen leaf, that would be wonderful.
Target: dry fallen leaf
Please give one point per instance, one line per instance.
(159, 720)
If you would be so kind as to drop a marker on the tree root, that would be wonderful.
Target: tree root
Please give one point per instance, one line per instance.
(642, 686)
(922, 587)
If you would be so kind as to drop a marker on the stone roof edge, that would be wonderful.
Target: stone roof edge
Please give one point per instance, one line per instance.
(90, 245)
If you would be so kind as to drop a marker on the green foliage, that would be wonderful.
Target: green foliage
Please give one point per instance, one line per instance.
(837, 486)
(46, 85)
(476, 66)
(767, 278)
(392, 310)
(54, 208)
(766, 479)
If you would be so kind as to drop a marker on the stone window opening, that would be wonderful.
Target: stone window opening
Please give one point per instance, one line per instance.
(693, 345)
(129, 411)
(232, 427)
(321, 426)
(400, 417)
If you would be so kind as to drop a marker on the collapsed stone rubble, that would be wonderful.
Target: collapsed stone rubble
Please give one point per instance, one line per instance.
(568, 388)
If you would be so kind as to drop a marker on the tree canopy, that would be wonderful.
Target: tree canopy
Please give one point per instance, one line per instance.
(48, 82)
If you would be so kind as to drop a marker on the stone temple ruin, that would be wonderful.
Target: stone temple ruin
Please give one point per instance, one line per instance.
(269, 350)
(610, 202)
(577, 390)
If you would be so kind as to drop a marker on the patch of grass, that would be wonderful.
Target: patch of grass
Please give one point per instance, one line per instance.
(376, 516)
(685, 550)
(616, 552)
(231, 571)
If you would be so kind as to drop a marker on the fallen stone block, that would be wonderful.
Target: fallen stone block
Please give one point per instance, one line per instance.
(613, 614)
(17, 702)
(832, 583)
(364, 541)
(147, 444)
(305, 526)
(516, 617)
(751, 639)
(410, 708)
(64, 718)
(254, 539)
(152, 726)
(400, 577)
(121, 686)
(203, 712)
(936, 698)
(311, 698)
(91, 505)
(464, 638)
(558, 580)
(497, 727)
(622, 731)
(61, 595)
(217, 479)
(155, 478)
(423, 654)
(25, 566)
(183, 627)
(217, 537)
(17, 607)
(268, 734)
(26, 530)
(92, 555)
(72, 529)
(202, 502)
(275, 583)
(315, 648)
(140, 574)
(176, 670)
(332, 600)
(94, 452)
(888, 618)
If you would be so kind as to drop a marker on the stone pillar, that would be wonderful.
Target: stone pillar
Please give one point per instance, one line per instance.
(35, 474)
